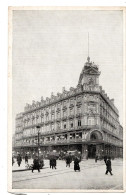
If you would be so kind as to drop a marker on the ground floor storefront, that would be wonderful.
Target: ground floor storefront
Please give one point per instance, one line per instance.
(87, 150)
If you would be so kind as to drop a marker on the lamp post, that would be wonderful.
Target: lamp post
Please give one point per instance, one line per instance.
(38, 127)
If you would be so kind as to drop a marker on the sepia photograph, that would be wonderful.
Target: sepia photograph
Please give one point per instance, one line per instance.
(66, 99)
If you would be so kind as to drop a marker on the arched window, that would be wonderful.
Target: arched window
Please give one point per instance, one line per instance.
(93, 137)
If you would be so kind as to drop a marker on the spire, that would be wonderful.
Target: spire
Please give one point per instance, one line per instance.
(88, 58)
(88, 44)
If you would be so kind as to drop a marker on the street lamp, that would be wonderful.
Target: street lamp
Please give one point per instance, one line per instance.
(38, 127)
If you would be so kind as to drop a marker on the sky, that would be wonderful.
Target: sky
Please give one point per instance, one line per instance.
(50, 48)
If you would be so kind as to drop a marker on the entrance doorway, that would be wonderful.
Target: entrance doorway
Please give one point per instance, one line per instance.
(91, 151)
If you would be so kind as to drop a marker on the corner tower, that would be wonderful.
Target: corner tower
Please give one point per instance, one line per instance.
(89, 75)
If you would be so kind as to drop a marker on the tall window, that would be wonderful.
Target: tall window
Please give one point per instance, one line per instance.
(91, 121)
(58, 114)
(53, 116)
(52, 127)
(71, 124)
(79, 123)
(78, 110)
(47, 117)
(64, 113)
(64, 125)
(33, 120)
(93, 137)
(58, 126)
(71, 111)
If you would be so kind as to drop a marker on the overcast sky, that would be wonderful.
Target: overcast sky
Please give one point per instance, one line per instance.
(51, 47)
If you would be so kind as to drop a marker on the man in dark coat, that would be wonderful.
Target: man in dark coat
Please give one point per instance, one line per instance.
(76, 164)
(19, 159)
(68, 160)
(51, 161)
(108, 166)
(26, 158)
(36, 165)
(54, 162)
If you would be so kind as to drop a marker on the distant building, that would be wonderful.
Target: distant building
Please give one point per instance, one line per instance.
(83, 119)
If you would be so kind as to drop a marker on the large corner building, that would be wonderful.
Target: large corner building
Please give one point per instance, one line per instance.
(83, 119)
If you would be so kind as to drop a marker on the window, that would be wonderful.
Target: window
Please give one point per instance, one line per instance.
(64, 126)
(79, 123)
(65, 103)
(33, 120)
(72, 101)
(93, 137)
(78, 110)
(52, 127)
(91, 121)
(71, 124)
(53, 116)
(58, 114)
(71, 111)
(64, 113)
(47, 117)
(58, 126)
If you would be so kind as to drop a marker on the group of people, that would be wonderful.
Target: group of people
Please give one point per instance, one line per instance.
(19, 159)
(38, 163)
(76, 161)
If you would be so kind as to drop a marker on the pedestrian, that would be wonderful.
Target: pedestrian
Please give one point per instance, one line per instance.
(68, 160)
(36, 165)
(26, 158)
(54, 163)
(76, 164)
(108, 166)
(19, 159)
(96, 158)
(105, 159)
(51, 165)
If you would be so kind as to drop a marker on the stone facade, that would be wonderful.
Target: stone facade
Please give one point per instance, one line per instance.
(83, 118)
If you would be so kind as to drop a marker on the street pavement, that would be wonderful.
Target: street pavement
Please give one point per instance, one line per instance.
(92, 176)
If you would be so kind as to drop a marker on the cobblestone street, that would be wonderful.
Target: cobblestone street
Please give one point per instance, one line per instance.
(91, 176)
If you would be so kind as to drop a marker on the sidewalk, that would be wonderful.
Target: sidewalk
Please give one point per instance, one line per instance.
(23, 166)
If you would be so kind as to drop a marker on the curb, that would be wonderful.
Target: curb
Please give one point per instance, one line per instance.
(25, 170)
(21, 170)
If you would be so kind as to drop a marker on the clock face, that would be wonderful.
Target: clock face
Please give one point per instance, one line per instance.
(91, 81)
